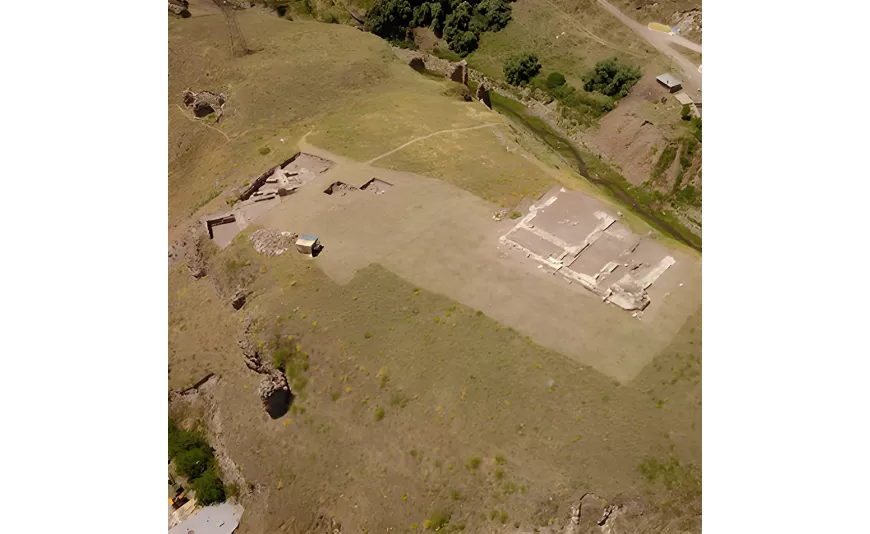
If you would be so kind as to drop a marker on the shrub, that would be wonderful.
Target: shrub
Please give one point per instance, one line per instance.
(194, 459)
(193, 463)
(379, 414)
(696, 127)
(499, 459)
(473, 463)
(555, 79)
(437, 520)
(686, 112)
(399, 399)
(209, 488)
(264, 150)
(516, 215)
(611, 77)
(520, 68)
(665, 160)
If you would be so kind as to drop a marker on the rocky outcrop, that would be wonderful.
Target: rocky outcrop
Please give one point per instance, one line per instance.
(238, 299)
(204, 103)
(417, 64)
(483, 95)
(188, 249)
(275, 393)
(459, 73)
(274, 390)
(179, 9)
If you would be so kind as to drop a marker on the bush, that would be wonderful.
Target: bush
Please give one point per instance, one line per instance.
(611, 77)
(686, 112)
(521, 68)
(209, 488)
(696, 127)
(379, 414)
(264, 150)
(194, 459)
(555, 79)
(193, 463)
(437, 520)
(473, 463)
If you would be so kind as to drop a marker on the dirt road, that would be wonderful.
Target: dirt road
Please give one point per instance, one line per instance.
(688, 70)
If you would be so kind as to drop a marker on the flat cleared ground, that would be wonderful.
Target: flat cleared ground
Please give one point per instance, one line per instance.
(443, 239)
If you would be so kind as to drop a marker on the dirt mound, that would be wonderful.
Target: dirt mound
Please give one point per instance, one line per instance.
(272, 242)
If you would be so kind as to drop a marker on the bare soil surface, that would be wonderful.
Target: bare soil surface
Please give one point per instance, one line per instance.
(443, 239)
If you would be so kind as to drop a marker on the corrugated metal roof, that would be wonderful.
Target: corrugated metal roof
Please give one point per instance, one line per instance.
(669, 79)
(220, 519)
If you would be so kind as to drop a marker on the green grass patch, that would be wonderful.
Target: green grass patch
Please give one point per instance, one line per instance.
(666, 159)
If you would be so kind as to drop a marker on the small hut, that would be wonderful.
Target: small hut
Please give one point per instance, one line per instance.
(670, 81)
(308, 244)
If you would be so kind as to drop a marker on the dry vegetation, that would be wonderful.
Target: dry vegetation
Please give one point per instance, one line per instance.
(411, 400)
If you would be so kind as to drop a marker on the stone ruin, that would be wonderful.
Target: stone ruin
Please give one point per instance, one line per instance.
(204, 103)
(262, 194)
(483, 95)
(179, 7)
(460, 73)
(568, 233)
(417, 64)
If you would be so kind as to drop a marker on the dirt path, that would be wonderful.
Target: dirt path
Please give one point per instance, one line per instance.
(688, 70)
(412, 141)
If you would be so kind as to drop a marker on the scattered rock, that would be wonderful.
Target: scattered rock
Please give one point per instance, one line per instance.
(188, 248)
(483, 95)
(204, 103)
(417, 64)
(272, 242)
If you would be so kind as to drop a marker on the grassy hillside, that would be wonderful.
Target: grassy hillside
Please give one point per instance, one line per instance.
(411, 404)
(343, 85)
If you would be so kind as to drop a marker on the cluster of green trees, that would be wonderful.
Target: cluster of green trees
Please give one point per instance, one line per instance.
(611, 77)
(194, 459)
(459, 22)
(608, 81)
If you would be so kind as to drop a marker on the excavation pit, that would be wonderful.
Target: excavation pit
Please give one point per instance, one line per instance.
(339, 189)
(376, 186)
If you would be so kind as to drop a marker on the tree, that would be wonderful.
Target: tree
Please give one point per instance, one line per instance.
(390, 19)
(496, 14)
(464, 43)
(520, 68)
(555, 79)
(611, 77)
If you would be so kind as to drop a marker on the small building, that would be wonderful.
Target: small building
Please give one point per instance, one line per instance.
(308, 244)
(670, 81)
(219, 519)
